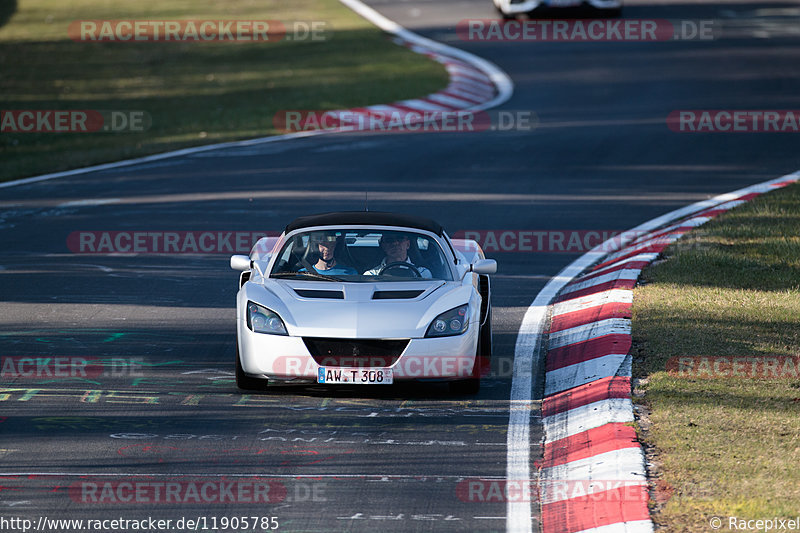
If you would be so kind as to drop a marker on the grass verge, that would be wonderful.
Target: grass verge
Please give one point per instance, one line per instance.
(724, 423)
(194, 92)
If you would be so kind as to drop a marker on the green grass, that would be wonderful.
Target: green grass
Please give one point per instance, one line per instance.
(195, 93)
(728, 446)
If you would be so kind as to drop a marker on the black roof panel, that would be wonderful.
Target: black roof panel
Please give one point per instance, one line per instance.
(365, 218)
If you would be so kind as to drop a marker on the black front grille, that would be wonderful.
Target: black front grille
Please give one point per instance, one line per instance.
(360, 353)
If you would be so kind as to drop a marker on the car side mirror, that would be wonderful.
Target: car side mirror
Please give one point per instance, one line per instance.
(241, 262)
(484, 266)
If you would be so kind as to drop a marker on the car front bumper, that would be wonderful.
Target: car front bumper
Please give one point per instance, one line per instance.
(287, 358)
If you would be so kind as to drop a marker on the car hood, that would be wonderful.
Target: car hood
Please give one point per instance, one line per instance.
(359, 310)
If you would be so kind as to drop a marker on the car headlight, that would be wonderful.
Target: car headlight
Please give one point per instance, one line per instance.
(263, 320)
(452, 322)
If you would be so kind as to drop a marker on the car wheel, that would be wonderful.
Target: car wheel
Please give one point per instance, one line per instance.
(485, 339)
(245, 382)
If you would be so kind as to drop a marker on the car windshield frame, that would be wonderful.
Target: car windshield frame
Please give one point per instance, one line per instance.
(359, 247)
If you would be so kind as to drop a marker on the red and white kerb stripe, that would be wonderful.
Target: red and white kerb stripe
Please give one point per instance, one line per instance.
(593, 477)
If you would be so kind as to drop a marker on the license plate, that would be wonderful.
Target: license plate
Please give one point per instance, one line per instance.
(563, 3)
(355, 376)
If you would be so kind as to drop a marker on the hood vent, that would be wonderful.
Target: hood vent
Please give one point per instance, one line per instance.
(396, 295)
(315, 293)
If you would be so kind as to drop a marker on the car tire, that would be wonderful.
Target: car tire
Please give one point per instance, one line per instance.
(245, 382)
(472, 385)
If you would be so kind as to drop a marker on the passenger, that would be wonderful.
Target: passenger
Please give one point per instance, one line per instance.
(323, 245)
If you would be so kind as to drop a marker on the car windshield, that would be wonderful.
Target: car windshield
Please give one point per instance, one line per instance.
(361, 255)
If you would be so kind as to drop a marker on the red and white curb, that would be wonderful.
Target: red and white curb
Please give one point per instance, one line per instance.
(593, 475)
(475, 85)
(469, 89)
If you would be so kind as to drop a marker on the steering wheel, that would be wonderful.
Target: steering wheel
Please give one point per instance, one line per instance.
(402, 265)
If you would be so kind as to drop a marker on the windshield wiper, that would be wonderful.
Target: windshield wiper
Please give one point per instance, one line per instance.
(314, 275)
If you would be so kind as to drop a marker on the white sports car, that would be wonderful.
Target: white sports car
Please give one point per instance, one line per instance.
(363, 298)
(511, 8)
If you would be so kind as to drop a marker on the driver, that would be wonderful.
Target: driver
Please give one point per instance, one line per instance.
(395, 246)
(324, 244)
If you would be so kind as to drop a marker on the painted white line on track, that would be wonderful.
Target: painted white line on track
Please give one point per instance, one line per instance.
(89, 202)
(159, 157)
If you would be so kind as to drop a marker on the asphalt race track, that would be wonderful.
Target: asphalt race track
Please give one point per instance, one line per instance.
(160, 404)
